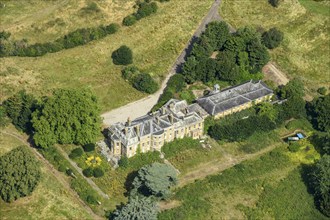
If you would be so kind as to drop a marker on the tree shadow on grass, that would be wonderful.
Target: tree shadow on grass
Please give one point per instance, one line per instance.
(129, 182)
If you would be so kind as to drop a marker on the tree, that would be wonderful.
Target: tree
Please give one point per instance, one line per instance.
(145, 83)
(268, 110)
(272, 38)
(3, 118)
(155, 179)
(322, 90)
(19, 108)
(258, 56)
(294, 88)
(274, 3)
(19, 174)
(217, 33)
(322, 141)
(69, 116)
(98, 172)
(322, 184)
(122, 56)
(319, 112)
(141, 208)
(88, 172)
(89, 147)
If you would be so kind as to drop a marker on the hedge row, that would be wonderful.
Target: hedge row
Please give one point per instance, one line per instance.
(73, 39)
(145, 9)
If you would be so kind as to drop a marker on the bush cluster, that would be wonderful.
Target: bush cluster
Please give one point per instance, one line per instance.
(96, 172)
(73, 39)
(140, 81)
(145, 9)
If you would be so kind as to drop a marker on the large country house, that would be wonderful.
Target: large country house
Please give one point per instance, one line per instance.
(176, 119)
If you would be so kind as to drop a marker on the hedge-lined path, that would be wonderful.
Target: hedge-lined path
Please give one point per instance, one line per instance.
(90, 182)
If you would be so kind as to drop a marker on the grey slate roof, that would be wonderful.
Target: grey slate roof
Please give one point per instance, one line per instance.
(174, 113)
(220, 101)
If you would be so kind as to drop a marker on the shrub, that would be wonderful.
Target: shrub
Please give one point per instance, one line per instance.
(111, 28)
(88, 172)
(272, 38)
(322, 90)
(89, 147)
(123, 162)
(69, 172)
(122, 56)
(146, 9)
(274, 3)
(294, 146)
(129, 20)
(98, 172)
(61, 168)
(91, 200)
(129, 72)
(145, 83)
(75, 153)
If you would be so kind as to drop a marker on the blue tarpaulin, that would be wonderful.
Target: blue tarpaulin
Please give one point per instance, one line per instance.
(300, 135)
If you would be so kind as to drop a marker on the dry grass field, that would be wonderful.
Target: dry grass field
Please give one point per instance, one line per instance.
(306, 47)
(156, 41)
(48, 201)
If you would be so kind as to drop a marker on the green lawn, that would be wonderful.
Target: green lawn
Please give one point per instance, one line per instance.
(156, 41)
(265, 188)
(305, 50)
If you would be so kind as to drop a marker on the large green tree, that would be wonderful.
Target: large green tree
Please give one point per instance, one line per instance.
(319, 112)
(66, 117)
(155, 179)
(322, 184)
(19, 108)
(137, 208)
(19, 174)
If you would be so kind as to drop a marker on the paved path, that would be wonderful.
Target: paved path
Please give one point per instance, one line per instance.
(90, 182)
(55, 173)
(143, 106)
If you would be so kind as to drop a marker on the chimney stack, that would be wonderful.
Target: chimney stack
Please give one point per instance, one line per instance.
(171, 118)
(128, 123)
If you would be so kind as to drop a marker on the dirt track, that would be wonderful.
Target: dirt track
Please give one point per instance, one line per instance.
(272, 73)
